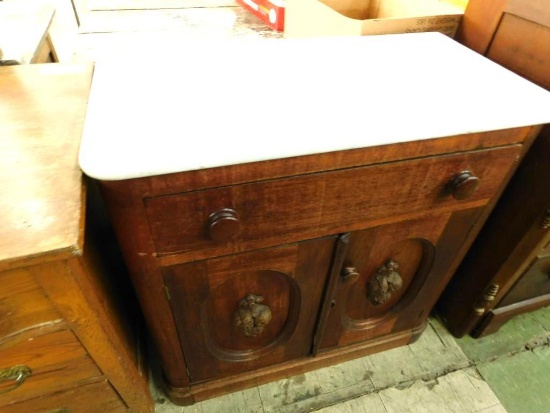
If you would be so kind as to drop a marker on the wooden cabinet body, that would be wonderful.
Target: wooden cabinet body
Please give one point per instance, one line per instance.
(262, 249)
(506, 272)
(67, 339)
(310, 246)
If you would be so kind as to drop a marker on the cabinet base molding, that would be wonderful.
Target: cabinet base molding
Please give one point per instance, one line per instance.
(185, 396)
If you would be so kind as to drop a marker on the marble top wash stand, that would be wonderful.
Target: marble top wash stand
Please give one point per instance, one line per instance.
(287, 205)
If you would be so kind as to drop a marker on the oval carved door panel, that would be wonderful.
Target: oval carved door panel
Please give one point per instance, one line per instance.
(246, 311)
(381, 281)
(391, 278)
(250, 314)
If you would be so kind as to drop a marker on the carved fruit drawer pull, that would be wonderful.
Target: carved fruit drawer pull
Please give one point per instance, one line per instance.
(252, 317)
(384, 283)
(16, 373)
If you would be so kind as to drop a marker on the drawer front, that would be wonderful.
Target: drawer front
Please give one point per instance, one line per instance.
(92, 398)
(23, 304)
(242, 217)
(534, 283)
(53, 362)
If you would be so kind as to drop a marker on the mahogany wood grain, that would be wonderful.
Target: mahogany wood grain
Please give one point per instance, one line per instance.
(205, 296)
(184, 278)
(287, 210)
(413, 246)
(132, 229)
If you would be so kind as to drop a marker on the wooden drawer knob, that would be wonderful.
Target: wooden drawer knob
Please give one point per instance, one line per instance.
(349, 275)
(463, 185)
(224, 225)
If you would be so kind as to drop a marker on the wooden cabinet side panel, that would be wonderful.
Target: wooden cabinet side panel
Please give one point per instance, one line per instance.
(125, 206)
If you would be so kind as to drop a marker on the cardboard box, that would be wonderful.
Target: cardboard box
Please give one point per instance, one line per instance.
(306, 18)
(271, 12)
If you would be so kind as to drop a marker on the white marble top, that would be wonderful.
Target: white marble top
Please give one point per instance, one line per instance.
(223, 103)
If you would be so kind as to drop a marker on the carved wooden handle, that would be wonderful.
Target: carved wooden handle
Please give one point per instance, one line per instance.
(384, 283)
(349, 275)
(252, 317)
(463, 185)
(224, 225)
(16, 373)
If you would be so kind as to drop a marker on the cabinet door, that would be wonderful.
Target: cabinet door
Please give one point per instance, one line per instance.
(386, 279)
(246, 311)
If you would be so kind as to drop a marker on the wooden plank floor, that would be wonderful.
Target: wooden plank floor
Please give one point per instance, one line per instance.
(505, 372)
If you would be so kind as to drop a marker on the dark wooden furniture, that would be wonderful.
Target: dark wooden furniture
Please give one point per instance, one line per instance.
(252, 271)
(341, 272)
(507, 271)
(66, 341)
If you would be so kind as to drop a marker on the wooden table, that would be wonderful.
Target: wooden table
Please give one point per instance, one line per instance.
(64, 343)
(24, 34)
